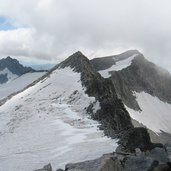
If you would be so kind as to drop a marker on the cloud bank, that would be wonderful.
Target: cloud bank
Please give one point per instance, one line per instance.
(53, 29)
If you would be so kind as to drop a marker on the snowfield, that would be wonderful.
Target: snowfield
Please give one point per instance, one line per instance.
(17, 83)
(155, 114)
(117, 66)
(47, 123)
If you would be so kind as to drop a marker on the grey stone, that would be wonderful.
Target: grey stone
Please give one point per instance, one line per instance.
(105, 163)
(138, 163)
(159, 154)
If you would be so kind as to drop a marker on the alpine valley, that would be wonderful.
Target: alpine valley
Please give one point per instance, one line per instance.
(106, 114)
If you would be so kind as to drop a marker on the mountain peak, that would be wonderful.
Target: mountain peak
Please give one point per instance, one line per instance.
(8, 57)
(78, 53)
(77, 61)
(77, 56)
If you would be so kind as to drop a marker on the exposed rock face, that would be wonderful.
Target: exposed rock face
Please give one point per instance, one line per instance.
(112, 115)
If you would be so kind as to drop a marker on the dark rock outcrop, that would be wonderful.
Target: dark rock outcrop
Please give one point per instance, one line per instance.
(135, 138)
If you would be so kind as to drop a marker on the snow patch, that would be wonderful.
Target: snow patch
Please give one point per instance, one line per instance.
(117, 66)
(155, 114)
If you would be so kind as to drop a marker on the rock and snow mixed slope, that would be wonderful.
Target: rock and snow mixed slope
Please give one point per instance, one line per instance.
(155, 114)
(119, 65)
(144, 88)
(48, 122)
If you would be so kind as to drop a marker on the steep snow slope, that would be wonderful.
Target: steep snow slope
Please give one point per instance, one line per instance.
(48, 123)
(119, 65)
(155, 114)
(17, 83)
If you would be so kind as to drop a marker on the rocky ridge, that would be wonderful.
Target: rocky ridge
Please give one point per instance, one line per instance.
(112, 115)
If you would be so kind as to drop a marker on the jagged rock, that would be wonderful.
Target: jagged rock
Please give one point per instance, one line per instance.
(45, 168)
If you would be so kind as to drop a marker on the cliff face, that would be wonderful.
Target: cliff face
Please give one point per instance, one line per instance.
(112, 115)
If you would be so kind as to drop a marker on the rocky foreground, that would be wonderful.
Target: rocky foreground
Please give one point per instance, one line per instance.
(134, 153)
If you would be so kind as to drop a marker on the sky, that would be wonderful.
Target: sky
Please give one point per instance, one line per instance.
(47, 31)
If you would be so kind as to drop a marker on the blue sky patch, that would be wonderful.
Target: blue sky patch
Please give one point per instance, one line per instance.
(6, 23)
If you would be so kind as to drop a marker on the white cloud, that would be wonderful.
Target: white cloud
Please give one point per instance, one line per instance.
(56, 28)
